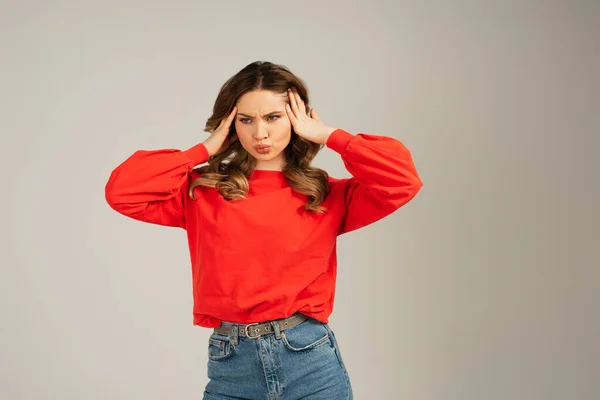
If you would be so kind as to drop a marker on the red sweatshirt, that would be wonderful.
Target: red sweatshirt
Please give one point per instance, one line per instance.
(264, 257)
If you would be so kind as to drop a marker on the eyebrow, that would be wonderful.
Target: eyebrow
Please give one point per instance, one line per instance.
(266, 115)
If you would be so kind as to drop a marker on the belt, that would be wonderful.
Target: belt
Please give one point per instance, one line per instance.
(258, 329)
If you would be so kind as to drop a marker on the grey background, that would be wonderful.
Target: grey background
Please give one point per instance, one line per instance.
(485, 286)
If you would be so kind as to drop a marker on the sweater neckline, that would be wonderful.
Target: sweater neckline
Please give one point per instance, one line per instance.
(265, 174)
(261, 180)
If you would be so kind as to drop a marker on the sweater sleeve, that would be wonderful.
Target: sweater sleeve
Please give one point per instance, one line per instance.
(150, 185)
(384, 177)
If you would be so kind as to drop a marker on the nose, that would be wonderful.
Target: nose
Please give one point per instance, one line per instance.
(260, 132)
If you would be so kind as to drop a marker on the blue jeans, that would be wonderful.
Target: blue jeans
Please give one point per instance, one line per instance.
(302, 362)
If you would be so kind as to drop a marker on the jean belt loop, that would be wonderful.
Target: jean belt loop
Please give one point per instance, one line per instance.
(275, 326)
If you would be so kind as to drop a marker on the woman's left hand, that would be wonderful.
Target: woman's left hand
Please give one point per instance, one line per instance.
(309, 127)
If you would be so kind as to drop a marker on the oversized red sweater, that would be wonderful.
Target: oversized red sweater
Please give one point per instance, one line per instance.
(264, 257)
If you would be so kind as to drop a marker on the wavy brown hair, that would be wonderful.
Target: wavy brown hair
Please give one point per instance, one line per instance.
(228, 171)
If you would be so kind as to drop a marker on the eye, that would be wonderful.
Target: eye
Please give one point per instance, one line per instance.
(243, 120)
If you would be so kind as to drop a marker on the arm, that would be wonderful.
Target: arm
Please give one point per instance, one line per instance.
(150, 185)
(384, 177)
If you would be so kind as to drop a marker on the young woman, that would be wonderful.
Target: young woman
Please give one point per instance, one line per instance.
(262, 224)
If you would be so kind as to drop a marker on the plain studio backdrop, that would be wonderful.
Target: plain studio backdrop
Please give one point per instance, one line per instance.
(485, 286)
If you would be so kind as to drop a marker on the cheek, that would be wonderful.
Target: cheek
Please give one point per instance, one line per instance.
(284, 129)
(242, 132)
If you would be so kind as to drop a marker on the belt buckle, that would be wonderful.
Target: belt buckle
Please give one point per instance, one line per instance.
(245, 330)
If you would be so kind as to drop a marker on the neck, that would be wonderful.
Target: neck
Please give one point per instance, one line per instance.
(275, 164)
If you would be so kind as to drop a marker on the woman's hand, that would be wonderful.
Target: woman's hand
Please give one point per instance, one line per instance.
(309, 127)
(220, 140)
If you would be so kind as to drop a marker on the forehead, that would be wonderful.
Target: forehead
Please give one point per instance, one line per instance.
(262, 101)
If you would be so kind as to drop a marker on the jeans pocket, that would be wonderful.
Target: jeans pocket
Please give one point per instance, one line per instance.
(307, 335)
(219, 347)
(336, 346)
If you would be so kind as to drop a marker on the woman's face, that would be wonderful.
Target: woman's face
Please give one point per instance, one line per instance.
(263, 127)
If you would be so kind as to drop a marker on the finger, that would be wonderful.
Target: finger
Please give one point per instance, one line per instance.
(300, 103)
(231, 116)
(291, 115)
(293, 104)
(300, 108)
(227, 121)
(313, 113)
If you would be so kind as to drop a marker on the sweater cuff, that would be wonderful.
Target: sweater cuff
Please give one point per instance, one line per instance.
(338, 140)
(197, 154)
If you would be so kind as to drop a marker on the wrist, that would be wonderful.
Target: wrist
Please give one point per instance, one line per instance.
(210, 151)
(327, 134)
(197, 154)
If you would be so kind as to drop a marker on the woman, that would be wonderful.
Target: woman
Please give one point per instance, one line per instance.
(262, 225)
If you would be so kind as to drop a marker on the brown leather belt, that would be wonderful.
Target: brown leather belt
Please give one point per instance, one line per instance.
(258, 329)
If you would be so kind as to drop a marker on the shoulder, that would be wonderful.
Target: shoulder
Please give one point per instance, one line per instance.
(338, 182)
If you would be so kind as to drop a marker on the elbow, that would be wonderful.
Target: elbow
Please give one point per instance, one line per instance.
(413, 189)
(404, 193)
(112, 195)
(116, 190)
(119, 203)
(416, 186)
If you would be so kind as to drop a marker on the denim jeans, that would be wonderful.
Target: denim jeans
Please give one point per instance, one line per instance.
(302, 362)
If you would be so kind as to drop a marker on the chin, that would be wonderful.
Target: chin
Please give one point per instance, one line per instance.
(264, 157)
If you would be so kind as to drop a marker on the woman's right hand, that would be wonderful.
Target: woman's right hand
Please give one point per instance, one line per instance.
(219, 140)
